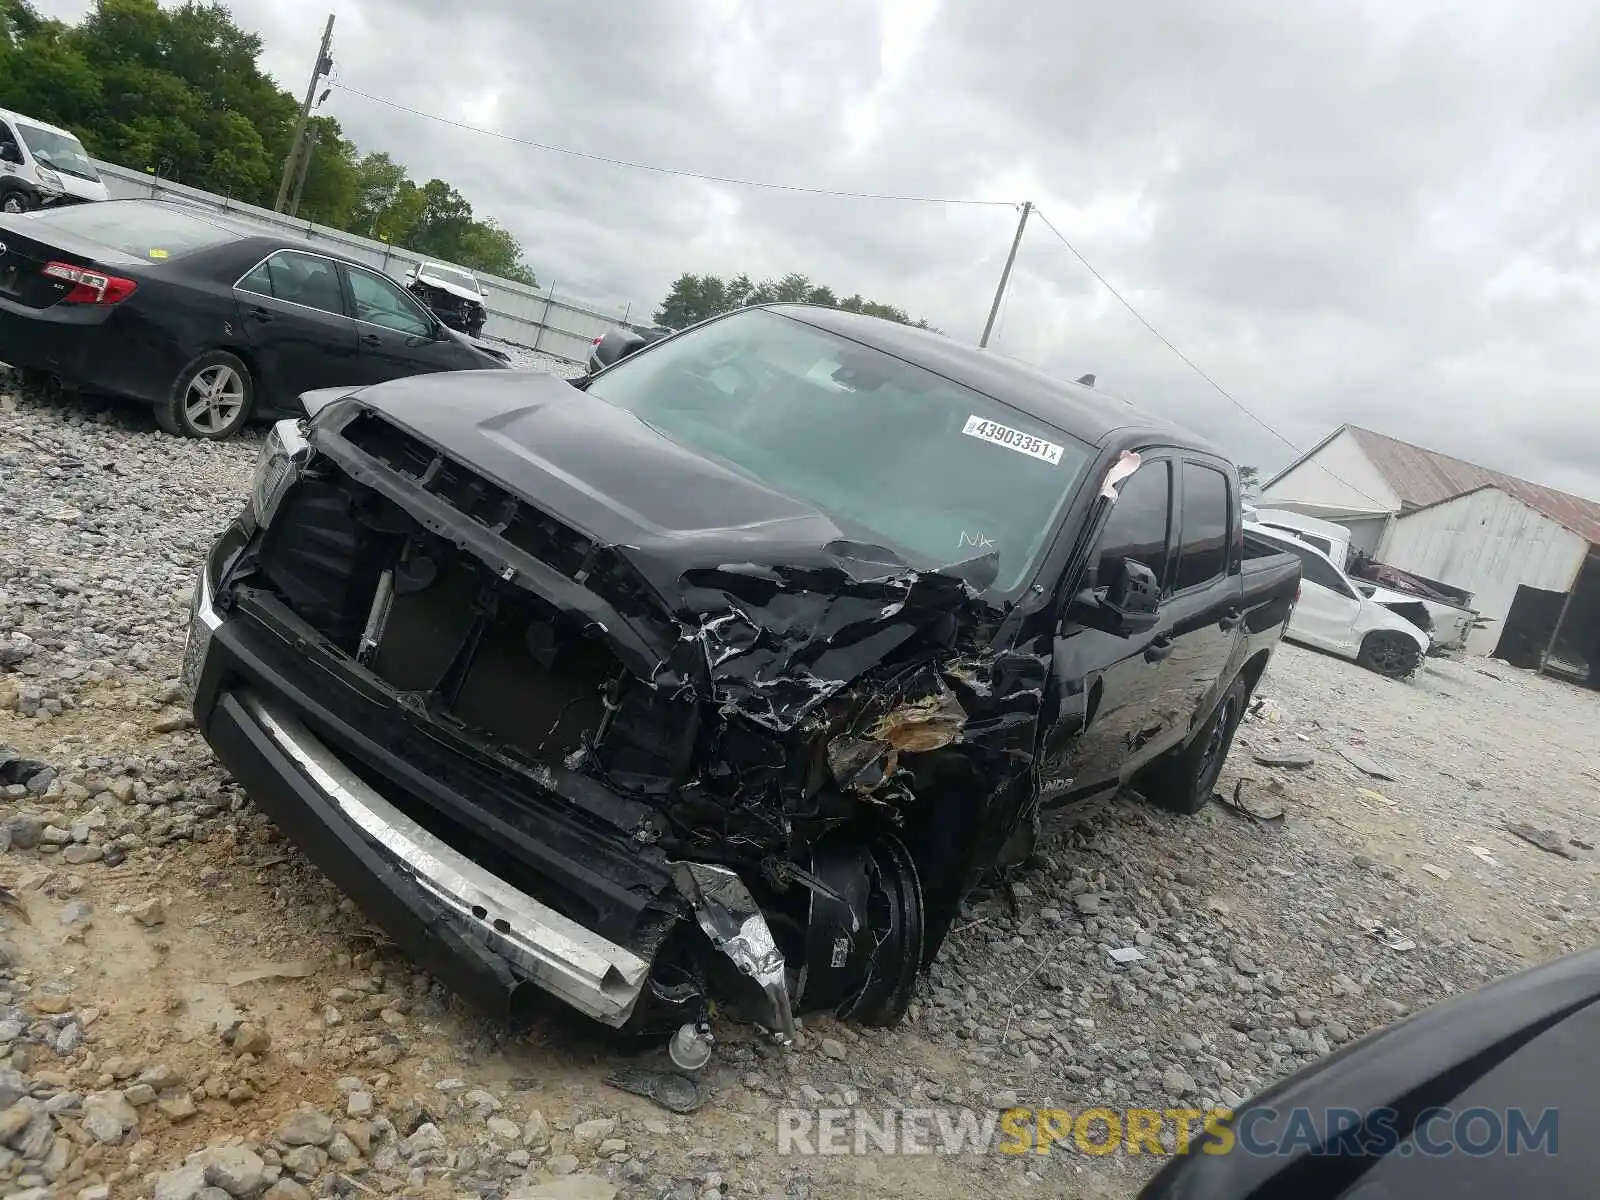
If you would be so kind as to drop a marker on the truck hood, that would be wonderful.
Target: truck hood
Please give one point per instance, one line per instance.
(769, 604)
(600, 469)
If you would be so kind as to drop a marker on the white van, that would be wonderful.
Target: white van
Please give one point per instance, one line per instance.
(41, 165)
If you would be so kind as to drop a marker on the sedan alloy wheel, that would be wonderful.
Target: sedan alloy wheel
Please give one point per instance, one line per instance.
(214, 400)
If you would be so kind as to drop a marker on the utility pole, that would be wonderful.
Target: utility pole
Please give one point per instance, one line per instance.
(308, 147)
(323, 66)
(1005, 275)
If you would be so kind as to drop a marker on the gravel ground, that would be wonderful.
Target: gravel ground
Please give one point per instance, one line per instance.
(139, 1057)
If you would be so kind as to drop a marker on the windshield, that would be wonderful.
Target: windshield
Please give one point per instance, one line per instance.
(450, 275)
(61, 151)
(921, 463)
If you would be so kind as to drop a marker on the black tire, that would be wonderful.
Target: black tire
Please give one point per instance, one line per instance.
(191, 410)
(1390, 654)
(898, 920)
(1183, 782)
(16, 201)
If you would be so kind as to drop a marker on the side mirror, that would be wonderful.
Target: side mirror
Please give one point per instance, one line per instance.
(10, 152)
(1128, 604)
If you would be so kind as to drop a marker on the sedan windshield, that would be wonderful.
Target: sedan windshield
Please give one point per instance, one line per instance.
(927, 466)
(61, 151)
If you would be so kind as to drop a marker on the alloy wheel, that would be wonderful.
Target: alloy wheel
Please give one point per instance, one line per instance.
(1391, 656)
(214, 399)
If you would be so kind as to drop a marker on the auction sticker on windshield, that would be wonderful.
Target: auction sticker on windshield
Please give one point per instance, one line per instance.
(1012, 439)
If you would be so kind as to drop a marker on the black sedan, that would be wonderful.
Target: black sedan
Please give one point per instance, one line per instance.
(619, 343)
(1483, 1096)
(211, 322)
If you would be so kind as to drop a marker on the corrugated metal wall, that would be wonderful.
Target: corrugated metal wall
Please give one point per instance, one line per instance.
(537, 319)
(1490, 544)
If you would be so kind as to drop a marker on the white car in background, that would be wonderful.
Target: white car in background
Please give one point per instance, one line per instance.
(1335, 615)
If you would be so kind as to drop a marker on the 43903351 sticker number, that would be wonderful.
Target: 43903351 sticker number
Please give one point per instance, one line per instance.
(986, 430)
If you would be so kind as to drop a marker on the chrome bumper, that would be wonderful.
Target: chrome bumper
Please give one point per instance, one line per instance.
(593, 975)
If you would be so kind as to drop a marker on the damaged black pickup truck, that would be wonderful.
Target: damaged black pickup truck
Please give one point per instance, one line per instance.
(726, 675)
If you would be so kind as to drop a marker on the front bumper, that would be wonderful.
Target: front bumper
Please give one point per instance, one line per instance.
(481, 935)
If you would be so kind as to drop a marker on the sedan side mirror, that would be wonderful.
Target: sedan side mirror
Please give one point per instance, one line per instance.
(1130, 603)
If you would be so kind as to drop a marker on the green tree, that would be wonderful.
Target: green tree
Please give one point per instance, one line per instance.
(180, 91)
(378, 180)
(695, 297)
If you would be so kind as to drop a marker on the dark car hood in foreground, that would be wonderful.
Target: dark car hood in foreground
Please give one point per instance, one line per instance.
(773, 606)
(1516, 1050)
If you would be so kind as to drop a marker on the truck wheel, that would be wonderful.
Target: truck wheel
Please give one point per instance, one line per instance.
(1389, 653)
(15, 202)
(1184, 782)
(894, 918)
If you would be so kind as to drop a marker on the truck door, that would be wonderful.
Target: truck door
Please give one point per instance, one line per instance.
(1207, 593)
(1110, 686)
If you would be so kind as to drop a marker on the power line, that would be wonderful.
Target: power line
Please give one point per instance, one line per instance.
(852, 195)
(660, 170)
(1194, 366)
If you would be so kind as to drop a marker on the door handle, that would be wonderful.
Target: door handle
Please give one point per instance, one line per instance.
(259, 314)
(1231, 619)
(371, 339)
(1158, 649)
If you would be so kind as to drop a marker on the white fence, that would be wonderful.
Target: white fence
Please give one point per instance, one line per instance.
(517, 313)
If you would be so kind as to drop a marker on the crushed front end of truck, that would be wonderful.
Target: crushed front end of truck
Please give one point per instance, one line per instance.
(634, 781)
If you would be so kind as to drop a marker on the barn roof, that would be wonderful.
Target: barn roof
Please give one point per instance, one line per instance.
(1423, 478)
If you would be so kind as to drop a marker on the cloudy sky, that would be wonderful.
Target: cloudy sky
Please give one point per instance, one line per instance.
(1381, 212)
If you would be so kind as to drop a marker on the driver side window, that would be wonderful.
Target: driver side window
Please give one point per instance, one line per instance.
(380, 302)
(1140, 523)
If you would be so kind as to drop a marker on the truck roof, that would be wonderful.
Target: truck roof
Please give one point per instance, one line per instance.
(1083, 411)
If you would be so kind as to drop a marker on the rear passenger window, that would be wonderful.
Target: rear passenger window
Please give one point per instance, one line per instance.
(302, 279)
(1137, 527)
(1203, 555)
(258, 281)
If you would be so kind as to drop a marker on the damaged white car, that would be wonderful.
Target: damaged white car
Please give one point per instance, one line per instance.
(1336, 615)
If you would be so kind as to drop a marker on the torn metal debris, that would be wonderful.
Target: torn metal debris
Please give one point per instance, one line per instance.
(740, 745)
